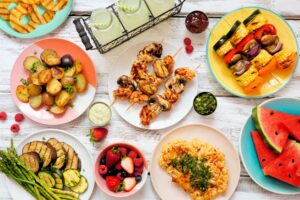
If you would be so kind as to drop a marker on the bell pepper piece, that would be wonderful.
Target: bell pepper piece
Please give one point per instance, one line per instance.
(253, 85)
(264, 30)
(269, 68)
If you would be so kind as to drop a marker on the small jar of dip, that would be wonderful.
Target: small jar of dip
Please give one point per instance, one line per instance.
(99, 114)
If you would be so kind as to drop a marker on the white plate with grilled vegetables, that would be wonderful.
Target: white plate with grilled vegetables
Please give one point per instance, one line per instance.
(60, 161)
(53, 81)
(154, 71)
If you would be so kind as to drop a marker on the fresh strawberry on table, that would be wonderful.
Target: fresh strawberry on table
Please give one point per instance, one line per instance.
(112, 156)
(97, 134)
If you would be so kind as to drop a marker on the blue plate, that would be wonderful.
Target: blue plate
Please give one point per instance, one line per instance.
(248, 153)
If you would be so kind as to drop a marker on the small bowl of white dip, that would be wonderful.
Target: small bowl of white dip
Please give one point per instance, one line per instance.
(99, 114)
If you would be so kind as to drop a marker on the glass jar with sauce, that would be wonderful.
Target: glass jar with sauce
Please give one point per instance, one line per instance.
(99, 114)
(133, 13)
(196, 22)
(105, 26)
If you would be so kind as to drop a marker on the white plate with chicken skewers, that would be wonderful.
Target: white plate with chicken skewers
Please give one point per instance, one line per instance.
(152, 85)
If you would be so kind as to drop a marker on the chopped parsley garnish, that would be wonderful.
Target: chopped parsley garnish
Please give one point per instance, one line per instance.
(69, 88)
(24, 82)
(199, 172)
(34, 68)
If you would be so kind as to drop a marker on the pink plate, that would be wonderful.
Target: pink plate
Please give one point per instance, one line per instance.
(81, 102)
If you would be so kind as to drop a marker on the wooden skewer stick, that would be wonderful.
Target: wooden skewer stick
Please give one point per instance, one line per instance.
(113, 102)
(131, 105)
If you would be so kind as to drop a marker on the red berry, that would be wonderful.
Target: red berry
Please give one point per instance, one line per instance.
(15, 128)
(189, 49)
(119, 175)
(139, 170)
(102, 169)
(138, 162)
(112, 156)
(3, 116)
(132, 154)
(118, 166)
(98, 134)
(19, 117)
(123, 151)
(187, 41)
(112, 182)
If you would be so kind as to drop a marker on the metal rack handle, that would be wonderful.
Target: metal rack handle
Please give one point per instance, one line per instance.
(82, 34)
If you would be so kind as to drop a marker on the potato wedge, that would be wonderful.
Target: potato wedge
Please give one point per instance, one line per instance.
(47, 52)
(67, 80)
(70, 71)
(80, 83)
(57, 110)
(53, 87)
(34, 78)
(36, 101)
(47, 99)
(62, 99)
(30, 62)
(22, 93)
(57, 72)
(45, 76)
(34, 90)
(52, 60)
(78, 66)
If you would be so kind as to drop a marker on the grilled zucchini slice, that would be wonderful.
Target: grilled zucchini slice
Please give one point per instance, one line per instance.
(71, 177)
(81, 187)
(58, 181)
(32, 160)
(73, 161)
(47, 179)
(46, 151)
(61, 155)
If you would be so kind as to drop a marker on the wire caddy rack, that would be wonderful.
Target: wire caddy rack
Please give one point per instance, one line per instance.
(85, 32)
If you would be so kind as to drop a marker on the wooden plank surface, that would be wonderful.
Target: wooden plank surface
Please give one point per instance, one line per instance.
(229, 117)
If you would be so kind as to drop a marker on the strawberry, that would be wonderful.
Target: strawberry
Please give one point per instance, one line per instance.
(97, 134)
(112, 156)
(102, 170)
(3, 116)
(127, 165)
(129, 183)
(15, 128)
(19, 117)
(187, 41)
(132, 154)
(138, 162)
(123, 151)
(112, 183)
(118, 166)
(189, 49)
(139, 170)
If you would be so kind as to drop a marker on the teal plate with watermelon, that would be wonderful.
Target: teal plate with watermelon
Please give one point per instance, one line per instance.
(285, 164)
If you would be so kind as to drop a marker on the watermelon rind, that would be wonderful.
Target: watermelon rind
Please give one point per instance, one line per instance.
(257, 124)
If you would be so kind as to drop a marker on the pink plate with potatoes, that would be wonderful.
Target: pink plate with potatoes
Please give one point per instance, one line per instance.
(82, 100)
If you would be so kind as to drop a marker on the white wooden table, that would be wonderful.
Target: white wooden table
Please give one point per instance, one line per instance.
(229, 117)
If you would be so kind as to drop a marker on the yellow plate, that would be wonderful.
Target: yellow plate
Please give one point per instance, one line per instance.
(274, 82)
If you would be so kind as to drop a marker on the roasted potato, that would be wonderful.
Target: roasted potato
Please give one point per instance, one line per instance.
(34, 90)
(36, 101)
(53, 87)
(47, 99)
(52, 60)
(57, 72)
(74, 93)
(34, 78)
(30, 63)
(62, 99)
(80, 83)
(70, 71)
(45, 76)
(47, 52)
(39, 67)
(78, 66)
(57, 110)
(67, 80)
(22, 93)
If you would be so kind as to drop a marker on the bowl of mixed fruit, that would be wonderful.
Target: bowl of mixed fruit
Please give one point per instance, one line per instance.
(120, 170)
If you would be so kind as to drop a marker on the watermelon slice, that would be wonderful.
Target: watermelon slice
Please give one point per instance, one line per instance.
(264, 154)
(286, 167)
(293, 126)
(267, 123)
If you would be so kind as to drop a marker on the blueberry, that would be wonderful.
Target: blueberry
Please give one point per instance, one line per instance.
(138, 178)
(124, 174)
(112, 172)
(103, 160)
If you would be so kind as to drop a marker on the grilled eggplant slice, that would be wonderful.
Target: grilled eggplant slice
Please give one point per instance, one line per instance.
(32, 160)
(73, 161)
(61, 155)
(47, 179)
(81, 187)
(58, 181)
(46, 151)
(71, 177)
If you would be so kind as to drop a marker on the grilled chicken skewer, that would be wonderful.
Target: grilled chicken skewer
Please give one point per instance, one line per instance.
(162, 103)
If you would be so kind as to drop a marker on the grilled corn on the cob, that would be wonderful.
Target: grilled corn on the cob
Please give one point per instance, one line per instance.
(239, 34)
(261, 59)
(256, 23)
(247, 77)
(225, 48)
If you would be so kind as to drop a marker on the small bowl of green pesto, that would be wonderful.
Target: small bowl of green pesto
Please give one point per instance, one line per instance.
(205, 103)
